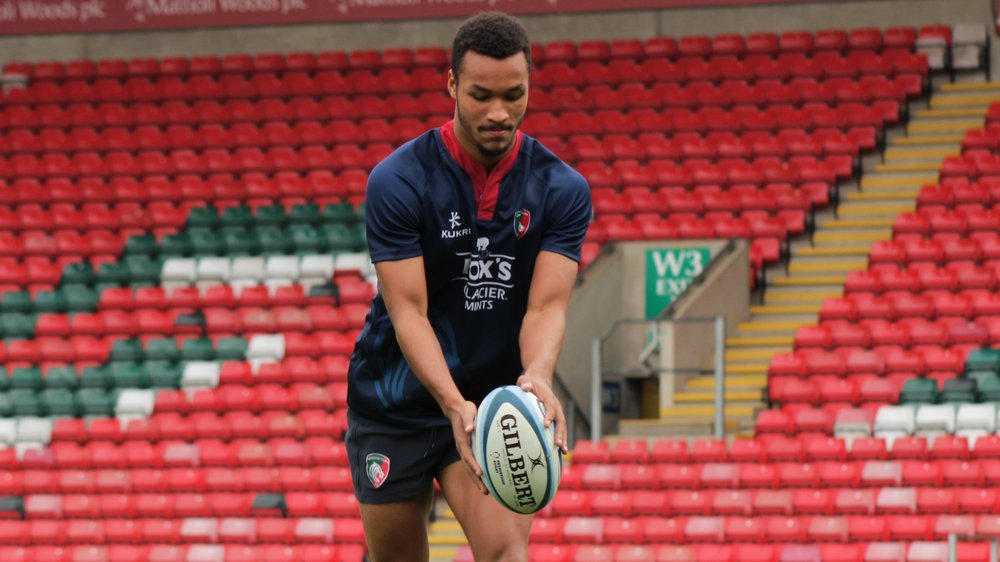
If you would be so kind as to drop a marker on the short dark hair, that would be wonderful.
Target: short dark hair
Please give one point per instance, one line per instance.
(493, 34)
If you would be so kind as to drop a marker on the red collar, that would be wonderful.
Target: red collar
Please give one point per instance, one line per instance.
(487, 186)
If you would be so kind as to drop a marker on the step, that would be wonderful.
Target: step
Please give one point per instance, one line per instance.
(878, 196)
(871, 210)
(774, 295)
(750, 354)
(969, 86)
(692, 411)
(928, 140)
(906, 153)
(963, 100)
(831, 252)
(801, 281)
(446, 526)
(675, 426)
(827, 266)
(822, 236)
(687, 397)
(894, 182)
(769, 309)
(456, 541)
(731, 381)
(855, 223)
(763, 341)
(950, 113)
(954, 127)
(443, 553)
(908, 167)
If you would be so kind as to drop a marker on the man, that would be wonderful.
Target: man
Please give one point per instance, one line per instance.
(475, 230)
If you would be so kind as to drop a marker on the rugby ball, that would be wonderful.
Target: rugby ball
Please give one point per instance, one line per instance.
(521, 464)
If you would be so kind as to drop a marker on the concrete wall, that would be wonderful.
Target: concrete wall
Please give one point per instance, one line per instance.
(609, 25)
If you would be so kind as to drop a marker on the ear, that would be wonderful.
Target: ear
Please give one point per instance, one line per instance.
(452, 85)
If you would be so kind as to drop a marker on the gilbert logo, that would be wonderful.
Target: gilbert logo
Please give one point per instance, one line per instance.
(377, 468)
(522, 219)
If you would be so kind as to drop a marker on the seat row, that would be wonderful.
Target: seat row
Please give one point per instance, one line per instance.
(926, 277)
(175, 553)
(887, 359)
(905, 331)
(973, 300)
(941, 221)
(771, 197)
(976, 246)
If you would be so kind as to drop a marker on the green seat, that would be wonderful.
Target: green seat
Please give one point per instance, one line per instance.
(989, 388)
(959, 390)
(26, 402)
(80, 298)
(273, 240)
(16, 301)
(238, 242)
(59, 402)
(95, 402)
(17, 325)
(198, 349)
(78, 273)
(128, 375)
(980, 376)
(983, 360)
(919, 391)
(306, 239)
(359, 214)
(240, 216)
(62, 377)
(141, 245)
(95, 377)
(203, 217)
(6, 405)
(4, 380)
(360, 238)
(305, 213)
(113, 274)
(231, 349)
(206, 242)
(176, 245)
(270, 215)
(163, 374)
(50, 301)
(127, 350)
(162, 350)
(339, 237)
(27, 377)
(338, 213)
(143, 269)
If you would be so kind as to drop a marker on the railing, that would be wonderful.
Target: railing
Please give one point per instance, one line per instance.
(597, 370)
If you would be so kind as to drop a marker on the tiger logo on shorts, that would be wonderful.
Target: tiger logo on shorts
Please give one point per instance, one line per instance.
(377, 468)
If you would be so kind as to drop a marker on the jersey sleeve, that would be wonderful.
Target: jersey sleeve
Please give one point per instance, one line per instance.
(569, 214)
(392, 215)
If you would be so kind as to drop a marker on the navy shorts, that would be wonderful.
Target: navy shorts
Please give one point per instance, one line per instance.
(390, 463)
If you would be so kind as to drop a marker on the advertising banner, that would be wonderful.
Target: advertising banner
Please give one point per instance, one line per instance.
(668, 272)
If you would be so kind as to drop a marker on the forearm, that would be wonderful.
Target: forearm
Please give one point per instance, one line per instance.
(541, 340)
(423, 353)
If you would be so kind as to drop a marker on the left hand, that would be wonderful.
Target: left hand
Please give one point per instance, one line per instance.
(541, 388)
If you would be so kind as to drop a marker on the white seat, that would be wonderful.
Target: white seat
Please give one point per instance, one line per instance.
(968, 46)
(135, 402)
(922, 551)
(247, 267)
(206, 553)
(882, 471)
(178, 272)
(181, 454)
(316, 265)
(266, 347)
(975, 420)
(896, 499)
(34, 430)
(200, 528)
(355, 262)
(214, 269)
(8, 432)
(892, 422)
(935, 419)
(238, 526)
(200, 374)
(282, 267)
(851, 423)
(936, 49)
(885, 551)
(314, 528)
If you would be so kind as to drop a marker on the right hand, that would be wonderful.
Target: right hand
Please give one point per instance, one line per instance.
(463, 421)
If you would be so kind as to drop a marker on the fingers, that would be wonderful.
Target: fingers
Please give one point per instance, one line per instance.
(462, 443)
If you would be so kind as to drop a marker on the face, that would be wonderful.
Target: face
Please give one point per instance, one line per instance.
(491, 97)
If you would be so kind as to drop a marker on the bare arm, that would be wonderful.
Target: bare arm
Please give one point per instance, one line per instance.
(543, 330)
(405, 294)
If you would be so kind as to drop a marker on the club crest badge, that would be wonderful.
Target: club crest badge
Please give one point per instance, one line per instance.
(522, 219)
(377, 468)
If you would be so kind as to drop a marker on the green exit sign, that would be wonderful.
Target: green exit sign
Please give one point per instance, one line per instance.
(670, 271)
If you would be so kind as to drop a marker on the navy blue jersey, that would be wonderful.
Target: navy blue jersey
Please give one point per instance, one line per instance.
(479, 235)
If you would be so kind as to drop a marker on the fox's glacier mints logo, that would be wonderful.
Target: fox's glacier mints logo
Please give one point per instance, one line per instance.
(487, 276)
(377, 468)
